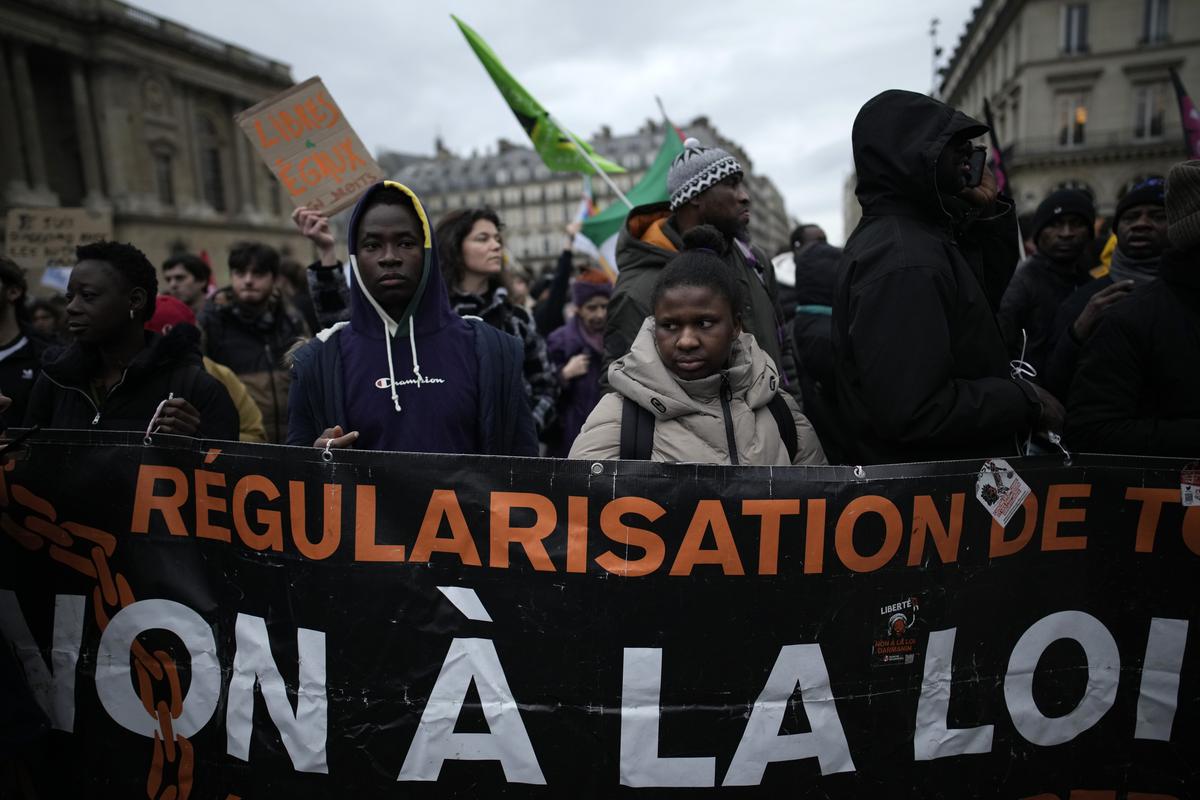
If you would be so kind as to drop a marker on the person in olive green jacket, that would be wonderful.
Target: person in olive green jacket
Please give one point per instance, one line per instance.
(706, 188)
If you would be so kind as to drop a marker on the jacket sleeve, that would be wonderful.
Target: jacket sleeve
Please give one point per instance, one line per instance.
(548, 313)
(39, 409)
(808, 444)
(627, 310)
(330, 293)
(1061, 364)
(600, 437)
(516, 401)
(1014, 313)
(540, 375)
(250, 419)
(218, 415)
(1103, 415)
(903, 352)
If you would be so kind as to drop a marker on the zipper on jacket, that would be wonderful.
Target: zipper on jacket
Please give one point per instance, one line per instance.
(726, 397)
(88, 397)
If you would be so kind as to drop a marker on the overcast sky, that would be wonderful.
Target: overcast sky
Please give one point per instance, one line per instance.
(783, 78)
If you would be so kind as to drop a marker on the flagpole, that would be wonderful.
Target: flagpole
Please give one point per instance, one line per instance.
(604, 175)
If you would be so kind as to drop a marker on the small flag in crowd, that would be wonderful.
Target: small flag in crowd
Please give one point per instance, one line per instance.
(560, 149)
(1189, 116)
(997, 159)
(600, 231)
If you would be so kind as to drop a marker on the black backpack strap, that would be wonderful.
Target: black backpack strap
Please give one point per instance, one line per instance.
(637, 431)
(787, 425)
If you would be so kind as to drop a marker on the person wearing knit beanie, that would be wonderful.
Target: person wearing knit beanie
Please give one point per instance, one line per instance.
(1137, 386)
(705, 187)
(1062, 229)
(591, 283)
(1183, 205)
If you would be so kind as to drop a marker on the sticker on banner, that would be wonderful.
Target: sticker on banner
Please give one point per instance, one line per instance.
(895, 637)
(1189, 485)
(1001, 490)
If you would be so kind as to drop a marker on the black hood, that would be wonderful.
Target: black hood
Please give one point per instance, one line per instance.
(897, 139)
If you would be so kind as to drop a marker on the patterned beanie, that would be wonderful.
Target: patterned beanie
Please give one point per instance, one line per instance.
(696, 169)
(1183, 205)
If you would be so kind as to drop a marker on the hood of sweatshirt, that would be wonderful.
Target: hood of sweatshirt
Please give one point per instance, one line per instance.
(897, 138)
(428, 312)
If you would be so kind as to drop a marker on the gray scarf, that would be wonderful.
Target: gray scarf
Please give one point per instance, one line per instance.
(1138, 270)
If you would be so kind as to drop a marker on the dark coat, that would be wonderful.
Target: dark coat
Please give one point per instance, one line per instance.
(1137, 387)
(20, 364)
(1030, 304)
(816, 279)
(1059, 369)
(255, 348)
(541, 379)
(62, 396)
(922, 371)
(648, 240)
(580, 395)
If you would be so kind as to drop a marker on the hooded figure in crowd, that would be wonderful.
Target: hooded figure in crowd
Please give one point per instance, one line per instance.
(1063, 229)
(577, 350)
(1137, 388)
(706, 188)
(117, 376)
(406, 373)
(922, 370)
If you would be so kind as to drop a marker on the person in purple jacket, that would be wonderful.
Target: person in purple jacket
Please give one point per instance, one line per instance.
(577, 351)
(405, 372)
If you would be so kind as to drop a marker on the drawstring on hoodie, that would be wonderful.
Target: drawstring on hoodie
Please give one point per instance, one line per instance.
(412, 342)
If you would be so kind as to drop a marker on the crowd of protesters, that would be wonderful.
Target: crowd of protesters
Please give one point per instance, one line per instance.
(923, 339)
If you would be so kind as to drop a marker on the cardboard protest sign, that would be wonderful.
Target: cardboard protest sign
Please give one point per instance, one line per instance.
(306, 141)
(37, 238)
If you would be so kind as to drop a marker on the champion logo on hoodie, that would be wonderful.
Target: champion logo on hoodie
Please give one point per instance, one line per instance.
(384, 383)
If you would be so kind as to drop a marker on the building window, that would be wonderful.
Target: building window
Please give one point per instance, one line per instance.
(1154, 21)
(1078, 186)
(1149, 108)
(212, 179)
(1074, 28)
(1072, 117)
(164, 180)
(214, 183)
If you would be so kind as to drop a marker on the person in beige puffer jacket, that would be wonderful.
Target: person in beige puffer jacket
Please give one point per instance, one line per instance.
(707, 383)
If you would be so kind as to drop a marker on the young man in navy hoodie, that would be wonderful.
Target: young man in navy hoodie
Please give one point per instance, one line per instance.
(406, 373)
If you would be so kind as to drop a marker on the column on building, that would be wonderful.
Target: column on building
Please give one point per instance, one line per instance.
(85, 132)
(243, 164)
(10, 135)
(192, 147)
(30, 132)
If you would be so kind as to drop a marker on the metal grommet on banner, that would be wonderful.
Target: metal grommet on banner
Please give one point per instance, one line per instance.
(1056, 440)
(859, 472)
(597, 468)
(147, 440)
(327, 454)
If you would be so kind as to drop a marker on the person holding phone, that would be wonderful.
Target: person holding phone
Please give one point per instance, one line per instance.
(922, 371)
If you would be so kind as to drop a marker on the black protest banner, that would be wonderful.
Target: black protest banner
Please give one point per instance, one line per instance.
(216, 619)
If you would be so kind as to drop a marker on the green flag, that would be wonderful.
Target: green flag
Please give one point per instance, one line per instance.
(652, 188)
(599, 236)
(559, 148)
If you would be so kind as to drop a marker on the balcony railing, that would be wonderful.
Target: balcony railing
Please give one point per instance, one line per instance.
(1094, 143)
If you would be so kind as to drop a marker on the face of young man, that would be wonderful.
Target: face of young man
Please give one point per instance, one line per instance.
(725, 205)
(1142, 231)
(180, 284)
(391, 255)
(954, 167)
(594, 313)
(1063, 240)
(252, 286)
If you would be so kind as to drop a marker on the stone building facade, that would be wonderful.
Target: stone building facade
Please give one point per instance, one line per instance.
(1080, 89)
(115, 108)
(536, 204)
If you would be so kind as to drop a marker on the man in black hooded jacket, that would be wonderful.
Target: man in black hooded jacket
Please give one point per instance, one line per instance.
(922, 369)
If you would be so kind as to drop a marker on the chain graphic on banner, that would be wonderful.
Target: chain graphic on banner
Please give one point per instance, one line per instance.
(87, 550)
